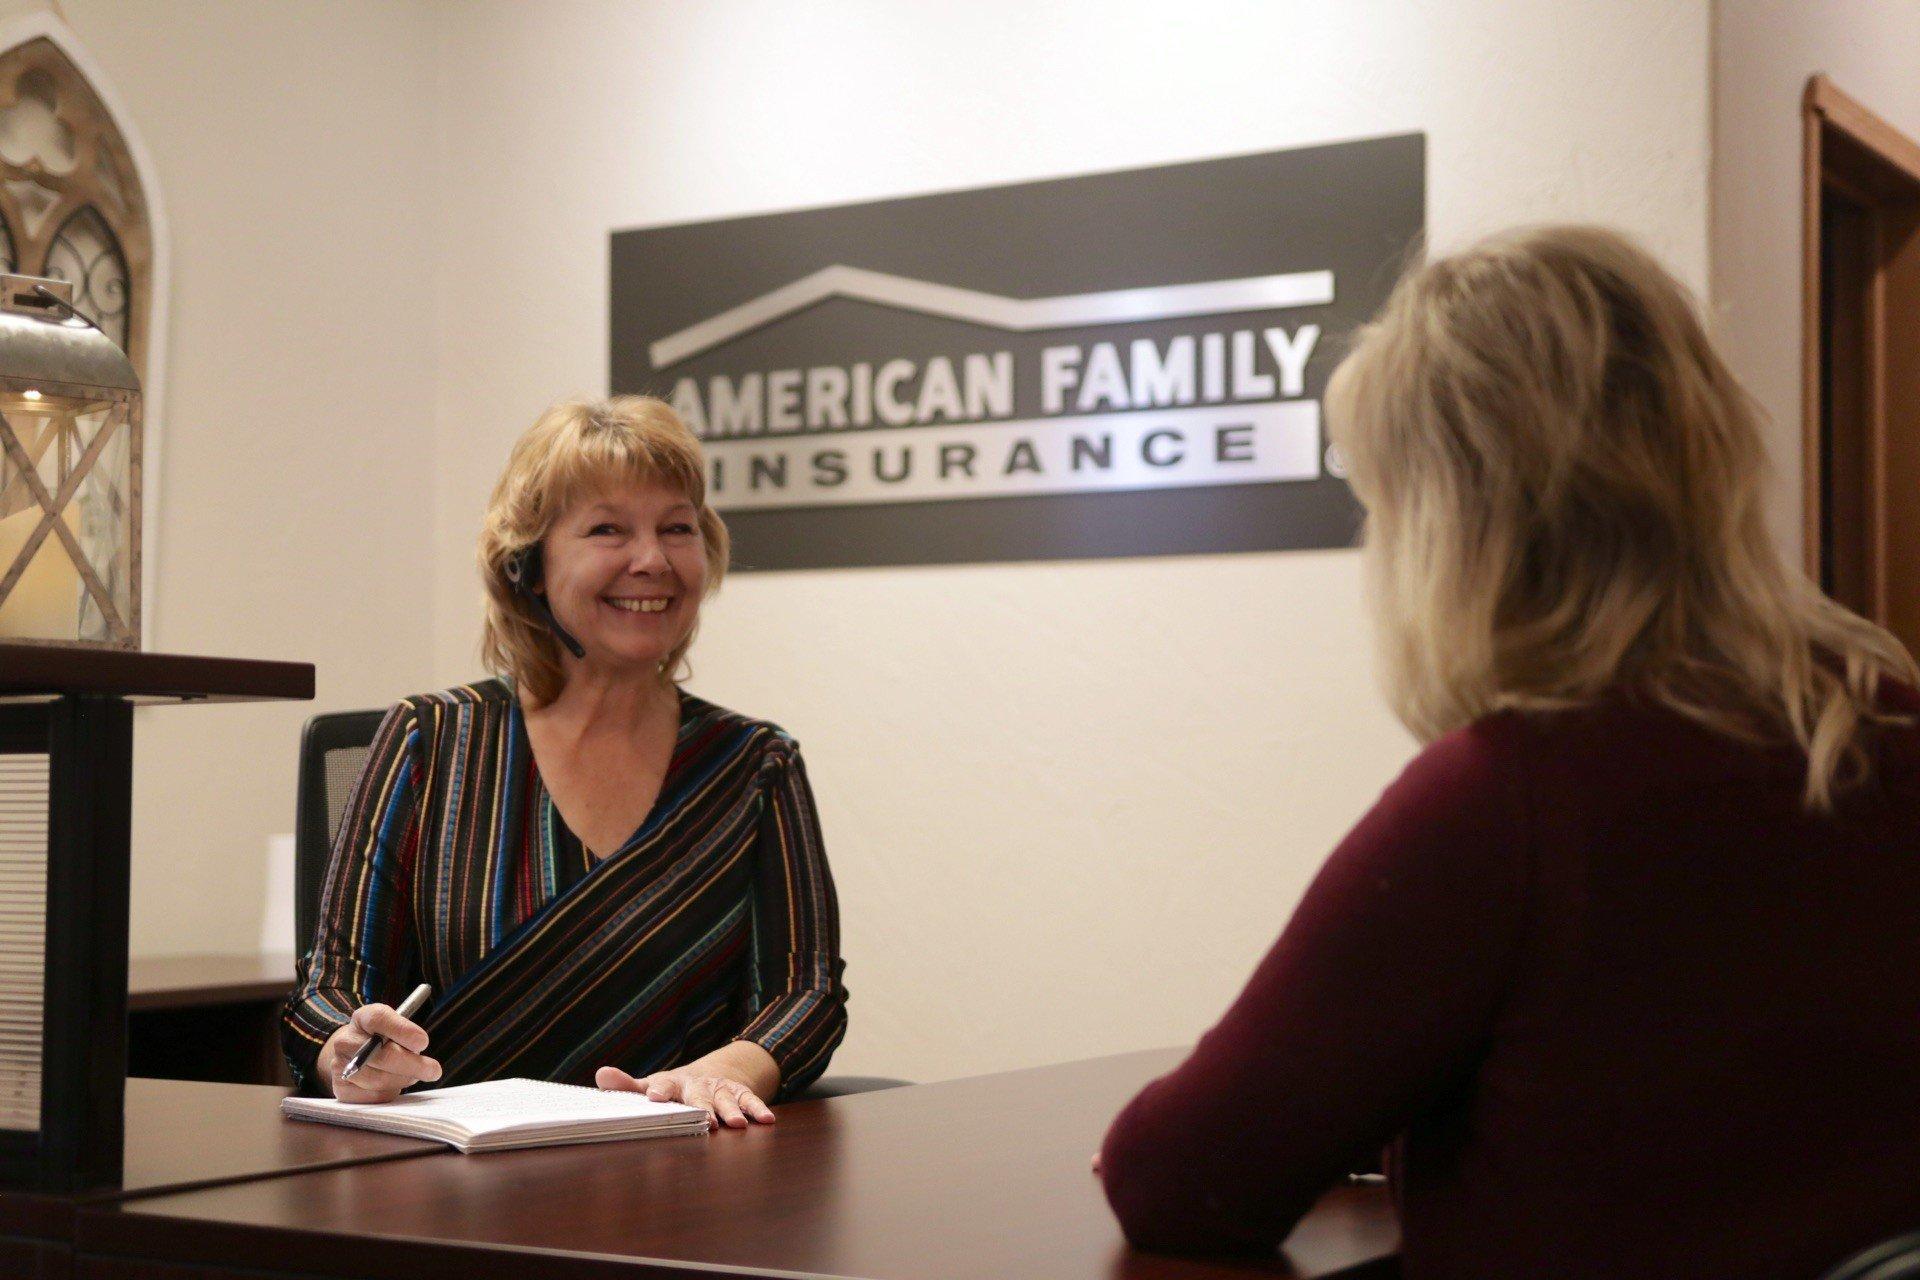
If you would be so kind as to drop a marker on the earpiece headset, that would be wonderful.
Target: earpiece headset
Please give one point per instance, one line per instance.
(523, 571)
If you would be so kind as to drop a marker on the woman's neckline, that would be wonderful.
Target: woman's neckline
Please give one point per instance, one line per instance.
(685, 709)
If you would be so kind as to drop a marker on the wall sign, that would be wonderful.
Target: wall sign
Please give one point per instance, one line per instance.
(1112, 365)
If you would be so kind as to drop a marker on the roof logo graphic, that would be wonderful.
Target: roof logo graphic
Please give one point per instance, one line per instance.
(1114, 306)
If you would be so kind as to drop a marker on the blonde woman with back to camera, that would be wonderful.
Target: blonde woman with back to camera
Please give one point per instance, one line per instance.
(1624, 969)
(604, 878)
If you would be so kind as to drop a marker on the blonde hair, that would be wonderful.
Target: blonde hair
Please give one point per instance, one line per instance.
(1563, 483)
(579, 448)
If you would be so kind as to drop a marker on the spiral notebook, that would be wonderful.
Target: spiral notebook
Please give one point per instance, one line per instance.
(498, 1114)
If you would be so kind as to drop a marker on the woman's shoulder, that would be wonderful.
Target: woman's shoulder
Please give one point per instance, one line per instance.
(1466, 768)
(714, 725)
(1496, 770)
(455, 702)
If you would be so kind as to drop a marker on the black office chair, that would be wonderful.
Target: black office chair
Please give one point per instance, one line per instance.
(333, 751)
(1897, 1259)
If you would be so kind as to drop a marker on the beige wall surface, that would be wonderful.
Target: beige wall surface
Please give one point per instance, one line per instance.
(1068, 805)
(292, 147)
(1763, 53)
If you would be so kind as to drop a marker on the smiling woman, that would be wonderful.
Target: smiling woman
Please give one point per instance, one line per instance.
(580, 824)
(592, 482)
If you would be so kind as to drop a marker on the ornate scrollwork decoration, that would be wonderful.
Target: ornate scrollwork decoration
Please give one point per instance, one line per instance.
(85, 254)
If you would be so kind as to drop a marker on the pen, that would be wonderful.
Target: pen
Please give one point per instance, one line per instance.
(408, 1007)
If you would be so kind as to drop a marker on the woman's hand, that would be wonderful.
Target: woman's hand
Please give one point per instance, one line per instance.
(730, 1102)
(395, 1065)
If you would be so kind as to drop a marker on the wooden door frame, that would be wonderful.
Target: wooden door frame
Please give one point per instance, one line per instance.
(1845, 145)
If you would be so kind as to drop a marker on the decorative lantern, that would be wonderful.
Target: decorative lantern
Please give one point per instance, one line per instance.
(69, 474)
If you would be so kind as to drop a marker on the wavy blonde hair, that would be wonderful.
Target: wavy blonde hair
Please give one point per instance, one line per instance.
(577, 449)
(1563, 489)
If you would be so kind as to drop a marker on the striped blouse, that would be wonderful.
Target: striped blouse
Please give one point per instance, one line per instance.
(716, 920)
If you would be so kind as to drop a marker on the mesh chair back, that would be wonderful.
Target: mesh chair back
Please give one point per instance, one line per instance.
(1897, 1259)
(333, 751)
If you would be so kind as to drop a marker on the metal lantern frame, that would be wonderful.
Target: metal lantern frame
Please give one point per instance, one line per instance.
(51, 354)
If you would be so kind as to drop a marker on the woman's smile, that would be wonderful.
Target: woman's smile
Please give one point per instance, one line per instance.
(638, 604)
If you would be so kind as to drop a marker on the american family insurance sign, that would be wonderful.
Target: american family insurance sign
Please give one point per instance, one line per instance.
(1110, 365)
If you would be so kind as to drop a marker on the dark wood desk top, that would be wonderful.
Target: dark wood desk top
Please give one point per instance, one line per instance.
(175, 982)
(183, 1134)
(145, 677)
(985, 1177)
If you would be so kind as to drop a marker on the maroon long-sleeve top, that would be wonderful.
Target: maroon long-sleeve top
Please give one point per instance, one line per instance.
(1622, 1007)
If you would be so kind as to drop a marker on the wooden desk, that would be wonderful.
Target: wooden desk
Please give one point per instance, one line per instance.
(183, 1135)
(208, 1017)
(982, 1179)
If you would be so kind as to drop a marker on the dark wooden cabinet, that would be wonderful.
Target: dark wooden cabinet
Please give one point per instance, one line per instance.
(66, 744)
(214, 1018)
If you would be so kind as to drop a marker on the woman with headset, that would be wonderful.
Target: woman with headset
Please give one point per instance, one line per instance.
(604, 878)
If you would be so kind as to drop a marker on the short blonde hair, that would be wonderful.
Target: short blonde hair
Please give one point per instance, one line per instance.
(579, 448)
(1564, 492)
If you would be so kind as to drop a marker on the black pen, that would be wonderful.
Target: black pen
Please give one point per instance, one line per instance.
(408, 1007)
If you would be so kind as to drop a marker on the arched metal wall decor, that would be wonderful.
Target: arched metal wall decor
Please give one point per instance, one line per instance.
(71, 203)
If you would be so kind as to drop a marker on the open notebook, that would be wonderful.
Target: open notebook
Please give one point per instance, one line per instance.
(498, 1114)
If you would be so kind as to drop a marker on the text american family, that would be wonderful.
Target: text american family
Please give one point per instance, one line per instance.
(1213, 405)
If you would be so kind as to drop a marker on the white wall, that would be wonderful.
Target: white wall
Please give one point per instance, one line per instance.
(293, 145)
(1067, 804)
(1763, 53)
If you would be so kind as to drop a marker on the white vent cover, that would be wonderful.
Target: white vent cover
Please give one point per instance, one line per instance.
(23, 935)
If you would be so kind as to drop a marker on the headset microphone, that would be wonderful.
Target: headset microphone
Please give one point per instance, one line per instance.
(522, 570)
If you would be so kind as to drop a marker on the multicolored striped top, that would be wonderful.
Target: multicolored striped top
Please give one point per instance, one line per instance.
(716, 921)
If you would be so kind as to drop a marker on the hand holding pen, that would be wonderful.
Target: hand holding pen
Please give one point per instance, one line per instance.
(380, 1053)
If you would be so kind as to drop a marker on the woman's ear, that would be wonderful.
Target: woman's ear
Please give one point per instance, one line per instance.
(523, 569)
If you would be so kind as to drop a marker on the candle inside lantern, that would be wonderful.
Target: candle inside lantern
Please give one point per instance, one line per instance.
(45, 602)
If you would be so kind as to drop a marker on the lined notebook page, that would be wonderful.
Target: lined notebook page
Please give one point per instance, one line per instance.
(505, 1104)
